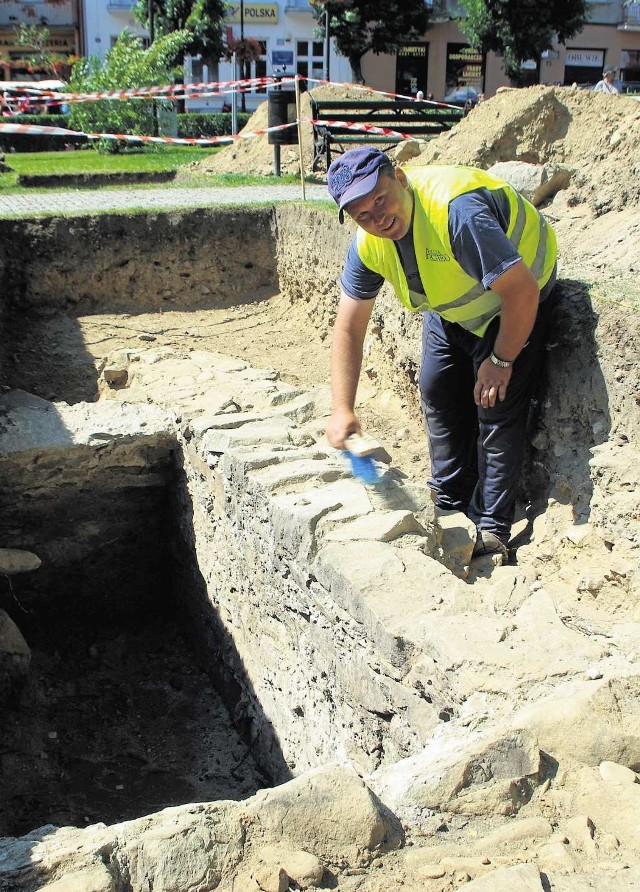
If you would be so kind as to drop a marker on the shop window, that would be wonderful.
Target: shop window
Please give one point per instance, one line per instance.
(630, 70)
(465, 68)
(583, 66)
(528, 75)
(411, 68)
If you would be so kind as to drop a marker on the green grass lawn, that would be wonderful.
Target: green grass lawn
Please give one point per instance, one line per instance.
(87, 161)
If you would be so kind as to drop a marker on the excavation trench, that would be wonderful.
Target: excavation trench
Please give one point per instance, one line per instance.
(213, 611)
(115, 717)
(150, 621)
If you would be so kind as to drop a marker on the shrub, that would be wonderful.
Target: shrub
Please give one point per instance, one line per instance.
(127, 66)
(193, 125)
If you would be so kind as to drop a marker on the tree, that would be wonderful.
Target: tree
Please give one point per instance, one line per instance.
(521, 29)
(377, 26)
(246, 51)
(127, 66)
(201, 19)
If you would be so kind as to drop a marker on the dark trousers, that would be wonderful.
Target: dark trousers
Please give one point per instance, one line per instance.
(476, 453)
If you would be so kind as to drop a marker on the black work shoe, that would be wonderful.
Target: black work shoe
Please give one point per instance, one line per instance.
(488, 543)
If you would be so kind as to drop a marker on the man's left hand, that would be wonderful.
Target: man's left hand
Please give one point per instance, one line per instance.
(491, 384)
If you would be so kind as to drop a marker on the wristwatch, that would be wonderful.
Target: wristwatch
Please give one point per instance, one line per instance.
(501, 363)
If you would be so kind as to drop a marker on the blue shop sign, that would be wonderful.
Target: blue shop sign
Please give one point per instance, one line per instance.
(282, 58)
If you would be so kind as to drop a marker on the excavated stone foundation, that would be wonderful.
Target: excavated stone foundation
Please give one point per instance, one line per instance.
(190, 518)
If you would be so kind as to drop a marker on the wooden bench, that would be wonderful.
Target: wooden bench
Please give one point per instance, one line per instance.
(414, 118)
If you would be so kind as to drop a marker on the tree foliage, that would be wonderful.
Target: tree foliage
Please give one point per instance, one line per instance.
(377, 26)
(521, 29)
(127, 66)
(201, 19)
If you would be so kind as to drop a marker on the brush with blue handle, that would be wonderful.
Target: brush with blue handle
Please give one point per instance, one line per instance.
(362, 452)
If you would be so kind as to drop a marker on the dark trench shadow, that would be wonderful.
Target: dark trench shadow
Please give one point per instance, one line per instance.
(211, 641)
(569, 412)
(118, 717)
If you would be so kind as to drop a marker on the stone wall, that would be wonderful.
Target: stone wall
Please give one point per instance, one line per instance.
(319, 605)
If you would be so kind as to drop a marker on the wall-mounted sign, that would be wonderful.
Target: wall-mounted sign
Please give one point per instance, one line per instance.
(585, 58)
(252, 13)
(61, 40)
(282, 58)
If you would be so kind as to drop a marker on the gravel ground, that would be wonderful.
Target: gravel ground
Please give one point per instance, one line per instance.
(82, 201)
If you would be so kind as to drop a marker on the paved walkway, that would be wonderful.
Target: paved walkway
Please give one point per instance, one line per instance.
(87, 201)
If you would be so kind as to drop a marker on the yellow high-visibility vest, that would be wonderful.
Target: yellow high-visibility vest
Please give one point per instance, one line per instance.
(449, 291)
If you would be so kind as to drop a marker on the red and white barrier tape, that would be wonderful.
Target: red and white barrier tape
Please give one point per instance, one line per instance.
(36, 129)
(370, 90)
(173, 91)
(211, 88)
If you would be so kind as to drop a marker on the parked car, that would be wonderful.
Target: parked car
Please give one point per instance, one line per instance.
(465, 97)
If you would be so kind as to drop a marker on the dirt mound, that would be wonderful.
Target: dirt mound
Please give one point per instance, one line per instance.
(255, 155)
(595, 135)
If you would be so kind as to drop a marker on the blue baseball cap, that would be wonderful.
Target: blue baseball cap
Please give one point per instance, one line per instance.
(354, 175)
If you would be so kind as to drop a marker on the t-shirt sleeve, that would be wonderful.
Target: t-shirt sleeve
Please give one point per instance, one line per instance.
(357, 280)
(478, 223)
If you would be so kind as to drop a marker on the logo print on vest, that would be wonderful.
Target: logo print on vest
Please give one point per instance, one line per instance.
(438, 256)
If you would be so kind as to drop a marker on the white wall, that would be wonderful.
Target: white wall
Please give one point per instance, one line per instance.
(294, 23)
(104, 21)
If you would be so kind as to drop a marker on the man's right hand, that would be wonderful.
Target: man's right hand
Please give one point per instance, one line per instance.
(342, 423)
(346, 359)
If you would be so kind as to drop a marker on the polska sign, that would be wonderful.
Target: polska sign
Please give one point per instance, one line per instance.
(263, 13)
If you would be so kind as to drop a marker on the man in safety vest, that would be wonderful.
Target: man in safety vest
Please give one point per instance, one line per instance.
(479, 261)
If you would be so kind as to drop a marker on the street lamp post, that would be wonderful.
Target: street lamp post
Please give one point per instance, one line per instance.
(243, 68)
(327, 40)
(152, 35)
(152, 28)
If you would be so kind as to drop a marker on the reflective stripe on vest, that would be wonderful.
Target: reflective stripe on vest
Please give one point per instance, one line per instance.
(449, 291)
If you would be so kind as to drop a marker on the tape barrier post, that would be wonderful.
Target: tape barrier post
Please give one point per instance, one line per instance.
(299, 121)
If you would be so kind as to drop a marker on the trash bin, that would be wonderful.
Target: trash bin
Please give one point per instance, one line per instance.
(278, 108)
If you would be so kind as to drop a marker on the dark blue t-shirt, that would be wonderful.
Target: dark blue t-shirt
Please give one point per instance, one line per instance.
(478, 222)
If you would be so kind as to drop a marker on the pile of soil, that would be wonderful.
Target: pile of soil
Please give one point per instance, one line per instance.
(594, 135)
(254, 154)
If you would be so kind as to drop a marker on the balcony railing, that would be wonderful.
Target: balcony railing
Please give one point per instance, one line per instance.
(630, 17)
(120, 5)
(292, 6)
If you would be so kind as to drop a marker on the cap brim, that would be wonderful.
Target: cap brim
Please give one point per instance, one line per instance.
(359, 189)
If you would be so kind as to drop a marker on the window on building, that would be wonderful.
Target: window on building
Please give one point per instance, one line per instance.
(259, 67)
(528, 75)
(465, 68)
(630, 70)
(583, 66)
(201, 73)
(310, 60)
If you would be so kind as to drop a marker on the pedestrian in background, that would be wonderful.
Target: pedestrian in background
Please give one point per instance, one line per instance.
(609, 82)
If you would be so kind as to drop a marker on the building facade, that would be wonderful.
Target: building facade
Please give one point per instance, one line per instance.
(285, 31)
(64, 22)
(439, 63)
(443, 62)
(105, 20)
